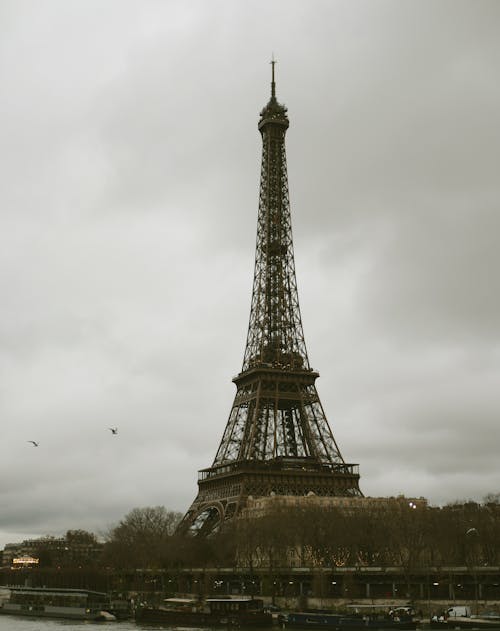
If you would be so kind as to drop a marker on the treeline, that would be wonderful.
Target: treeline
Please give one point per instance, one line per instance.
(394, 535)
(460, 534)
(146, 538)
(311, 536)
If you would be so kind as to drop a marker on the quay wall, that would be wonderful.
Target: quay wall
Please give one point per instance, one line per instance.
(424, 607)
(429, 589)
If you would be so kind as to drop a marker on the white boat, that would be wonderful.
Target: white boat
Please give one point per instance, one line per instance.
(44, 602)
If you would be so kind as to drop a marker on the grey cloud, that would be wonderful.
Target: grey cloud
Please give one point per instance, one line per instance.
(130, 158)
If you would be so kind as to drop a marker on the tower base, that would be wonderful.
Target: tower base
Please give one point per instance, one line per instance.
(223, 491)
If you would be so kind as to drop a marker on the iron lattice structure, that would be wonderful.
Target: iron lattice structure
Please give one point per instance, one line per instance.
(277, 439)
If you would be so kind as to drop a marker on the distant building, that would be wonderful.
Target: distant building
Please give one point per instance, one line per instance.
(260, 506)
(11, 551)
(69, 551)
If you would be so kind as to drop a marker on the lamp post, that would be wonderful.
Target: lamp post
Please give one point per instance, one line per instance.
(472, 534)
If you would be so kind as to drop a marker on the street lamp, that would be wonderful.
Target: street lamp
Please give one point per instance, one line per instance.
(469, 533)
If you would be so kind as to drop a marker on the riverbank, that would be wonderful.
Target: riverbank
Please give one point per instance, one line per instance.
(424, 607)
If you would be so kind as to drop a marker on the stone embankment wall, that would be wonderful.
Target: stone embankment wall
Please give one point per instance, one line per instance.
(424, 607)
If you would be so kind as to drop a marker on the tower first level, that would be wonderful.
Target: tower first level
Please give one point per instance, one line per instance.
(277, 442)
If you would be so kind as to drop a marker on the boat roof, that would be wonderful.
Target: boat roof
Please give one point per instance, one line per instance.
(385, 606)
(208, 600)
(225, 600)
(55, 590)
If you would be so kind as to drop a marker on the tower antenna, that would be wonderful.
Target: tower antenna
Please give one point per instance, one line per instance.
(273, 84)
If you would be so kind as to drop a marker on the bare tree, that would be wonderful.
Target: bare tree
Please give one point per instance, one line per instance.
(142, 538)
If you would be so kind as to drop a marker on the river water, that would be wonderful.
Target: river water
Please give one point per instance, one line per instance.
(14, 623)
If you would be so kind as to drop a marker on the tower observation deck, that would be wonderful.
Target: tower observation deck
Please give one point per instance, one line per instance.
(277, 440)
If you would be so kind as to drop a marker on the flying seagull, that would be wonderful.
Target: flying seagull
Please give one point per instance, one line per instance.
(35, 444)
(113, 430)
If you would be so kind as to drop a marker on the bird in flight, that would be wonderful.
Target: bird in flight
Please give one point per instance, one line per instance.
(34, 443)
(113, 430)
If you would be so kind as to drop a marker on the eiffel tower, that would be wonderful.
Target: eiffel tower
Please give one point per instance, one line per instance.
(277, 440)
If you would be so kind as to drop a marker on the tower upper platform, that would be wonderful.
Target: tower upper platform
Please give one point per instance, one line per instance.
(273, 112)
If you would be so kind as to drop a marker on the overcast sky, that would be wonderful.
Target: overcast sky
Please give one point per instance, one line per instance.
(130, 162)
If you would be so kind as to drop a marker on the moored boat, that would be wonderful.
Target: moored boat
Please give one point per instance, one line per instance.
(491, 621)
(237, 612)
(71, 604)
(461, 617)
(369, 617)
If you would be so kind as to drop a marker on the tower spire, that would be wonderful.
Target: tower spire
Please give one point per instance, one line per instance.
(277, 440)
(273, 83)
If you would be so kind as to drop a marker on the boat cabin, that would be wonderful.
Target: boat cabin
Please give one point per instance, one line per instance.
(42, 597)
(234, 605)
(181, 604)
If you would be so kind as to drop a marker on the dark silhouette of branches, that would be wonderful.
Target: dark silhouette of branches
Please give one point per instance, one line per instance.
(142, 539)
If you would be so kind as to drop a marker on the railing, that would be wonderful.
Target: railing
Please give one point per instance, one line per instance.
(280, 464)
